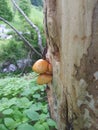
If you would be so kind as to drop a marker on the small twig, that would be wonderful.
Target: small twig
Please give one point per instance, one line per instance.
(31, 23)
(22, 37)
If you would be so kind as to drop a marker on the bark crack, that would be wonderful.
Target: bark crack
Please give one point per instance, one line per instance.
(69, 123)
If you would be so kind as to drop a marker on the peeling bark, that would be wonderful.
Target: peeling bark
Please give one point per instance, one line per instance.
(72, 39)
(89, 65)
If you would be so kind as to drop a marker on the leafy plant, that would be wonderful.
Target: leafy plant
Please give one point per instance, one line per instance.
(23, 105)
(12, 50)
(5, 11)
(25, 6)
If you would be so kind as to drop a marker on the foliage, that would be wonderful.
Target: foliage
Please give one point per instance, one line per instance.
(23, 105)
(6, 46)
(25, 6)
(13, 50)
(33, 37)
(5, 11)
(37, 2)
(37, 16)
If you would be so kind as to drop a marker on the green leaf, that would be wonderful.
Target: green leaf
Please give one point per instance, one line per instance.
(19, 116)
(39, 126)
(36, 96)
(25, 127)
(23, 102)
(45, 124)
(35, 88)
(9, 122)
(12, 101)
(36, 106)
(2, 127)
(51, 123)
(25, 119)
(7, 111)
(26, 92)
(44, 108)
(43, 116)
(5, 103)
(34, 116)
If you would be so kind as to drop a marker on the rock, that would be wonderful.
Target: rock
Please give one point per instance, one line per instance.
(24, 63)
(10, 68)
(4, 31)
(5, 70)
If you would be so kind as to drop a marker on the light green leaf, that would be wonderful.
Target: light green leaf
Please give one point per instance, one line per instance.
(25, 127)
(19, 116)
(12, 101)
(36, 96)
(2, 127)
(36, 106)
(39, 126)
(26, 92)
(51, 123)
(46, 126)
(43, 116)
(34, 116)
(7, 111)
(9, 122)
(44, 108)
(23, 102)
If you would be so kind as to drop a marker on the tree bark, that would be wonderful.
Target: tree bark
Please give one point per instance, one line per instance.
(72, 39)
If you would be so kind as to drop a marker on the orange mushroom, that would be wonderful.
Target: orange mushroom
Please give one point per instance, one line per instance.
(49, 71)
(44, 68)
(40, 66)
(44, 79)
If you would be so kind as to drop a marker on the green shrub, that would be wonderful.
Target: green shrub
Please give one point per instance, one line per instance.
(16, 49)
(33, 37)
(25, 6)
(12, 50)
(5, 11)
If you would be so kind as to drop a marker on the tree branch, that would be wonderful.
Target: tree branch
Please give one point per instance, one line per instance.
(22, 37)
(32, 25)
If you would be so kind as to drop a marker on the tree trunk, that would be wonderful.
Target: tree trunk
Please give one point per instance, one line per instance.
(72, 39)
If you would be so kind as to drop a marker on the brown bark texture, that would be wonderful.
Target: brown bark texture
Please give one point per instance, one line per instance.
(72, 38)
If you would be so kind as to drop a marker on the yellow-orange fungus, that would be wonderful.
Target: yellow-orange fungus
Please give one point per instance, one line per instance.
(40, 66)
(44, 79)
